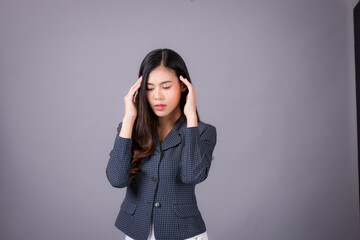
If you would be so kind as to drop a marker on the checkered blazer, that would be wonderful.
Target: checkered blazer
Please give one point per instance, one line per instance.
(165, 187)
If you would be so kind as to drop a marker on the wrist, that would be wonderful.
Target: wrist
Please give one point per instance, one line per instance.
(192, 121)
(129, 119)
(126, 128)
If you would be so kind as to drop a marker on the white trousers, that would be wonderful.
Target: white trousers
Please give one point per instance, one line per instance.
(202, 236)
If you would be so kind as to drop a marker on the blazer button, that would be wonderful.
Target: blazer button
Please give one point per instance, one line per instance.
(153, 179)
(157, 204)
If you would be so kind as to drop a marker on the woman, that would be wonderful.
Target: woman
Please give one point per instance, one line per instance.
(161, 151)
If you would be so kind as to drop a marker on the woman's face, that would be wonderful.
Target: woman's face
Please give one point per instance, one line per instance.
(163, 91)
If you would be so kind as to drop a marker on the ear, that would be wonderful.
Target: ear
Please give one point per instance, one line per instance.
(182, 86)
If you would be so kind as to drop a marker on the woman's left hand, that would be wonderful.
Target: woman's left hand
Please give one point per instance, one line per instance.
(190, 106)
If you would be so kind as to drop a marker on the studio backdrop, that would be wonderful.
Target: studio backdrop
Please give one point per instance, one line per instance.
(276, 78)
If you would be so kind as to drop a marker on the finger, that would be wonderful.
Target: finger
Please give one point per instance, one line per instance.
(135, 87)
(138, 82)
(185, 80)
(134, 92)
(187, 83)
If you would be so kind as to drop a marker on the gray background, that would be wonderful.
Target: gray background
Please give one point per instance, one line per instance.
(275, 77)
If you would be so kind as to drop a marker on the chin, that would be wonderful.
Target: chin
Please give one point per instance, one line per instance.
(161, 115)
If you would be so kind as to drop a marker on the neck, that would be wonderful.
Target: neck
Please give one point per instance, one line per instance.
(169, 121)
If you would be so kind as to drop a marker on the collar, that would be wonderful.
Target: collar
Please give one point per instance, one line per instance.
(173, 138)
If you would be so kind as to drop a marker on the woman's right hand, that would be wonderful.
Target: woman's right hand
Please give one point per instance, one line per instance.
(130, 105)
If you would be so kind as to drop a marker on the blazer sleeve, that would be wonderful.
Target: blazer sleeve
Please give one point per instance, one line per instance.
(119, 162)
(197, 154)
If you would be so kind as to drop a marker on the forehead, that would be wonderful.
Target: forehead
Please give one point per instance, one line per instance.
(161, 74)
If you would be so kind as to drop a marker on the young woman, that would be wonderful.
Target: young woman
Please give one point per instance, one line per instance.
(161, 151)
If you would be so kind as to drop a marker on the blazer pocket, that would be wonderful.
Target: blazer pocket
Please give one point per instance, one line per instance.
(128, 207)
(186, 210)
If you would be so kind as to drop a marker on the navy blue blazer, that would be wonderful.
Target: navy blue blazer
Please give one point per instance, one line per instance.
(165, 188)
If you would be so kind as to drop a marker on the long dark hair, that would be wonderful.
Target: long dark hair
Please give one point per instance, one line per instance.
(145, 126)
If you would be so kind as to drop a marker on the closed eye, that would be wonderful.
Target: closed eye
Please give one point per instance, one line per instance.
(150, 89)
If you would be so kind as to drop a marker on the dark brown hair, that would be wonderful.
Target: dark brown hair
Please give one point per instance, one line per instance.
(145, 126)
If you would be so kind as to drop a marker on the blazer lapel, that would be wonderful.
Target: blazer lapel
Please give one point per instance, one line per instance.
(174, 136)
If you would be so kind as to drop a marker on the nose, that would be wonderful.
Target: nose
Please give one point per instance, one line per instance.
(158, 94)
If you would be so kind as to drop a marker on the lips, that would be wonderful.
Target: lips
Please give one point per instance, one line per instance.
(159, 106)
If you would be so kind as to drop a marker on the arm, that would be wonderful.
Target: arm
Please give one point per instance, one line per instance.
(121, 154)
(197, 154)
(119, 162)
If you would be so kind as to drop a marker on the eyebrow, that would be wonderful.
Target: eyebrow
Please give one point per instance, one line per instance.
(160, 83)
